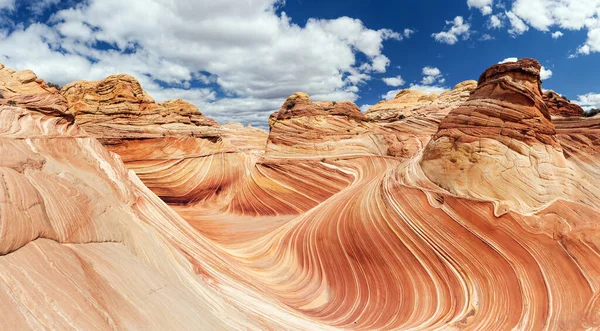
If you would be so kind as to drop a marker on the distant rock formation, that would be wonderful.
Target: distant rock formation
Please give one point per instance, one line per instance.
(118, 107)
(501, 145)
(412, 102)
(560, 106)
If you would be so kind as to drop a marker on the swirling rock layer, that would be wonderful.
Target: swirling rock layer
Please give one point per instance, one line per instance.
(478, 214)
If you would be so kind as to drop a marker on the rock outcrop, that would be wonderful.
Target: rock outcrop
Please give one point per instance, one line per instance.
(412, 102)
(501, 145)
(166, 143)
(560, 106)
(118, 107)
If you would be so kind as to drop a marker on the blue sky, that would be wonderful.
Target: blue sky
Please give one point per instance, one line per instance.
(239, 59)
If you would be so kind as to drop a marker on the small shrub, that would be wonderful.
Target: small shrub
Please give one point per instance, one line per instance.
(12, 102)
(401, 116)
(323, 160)
(56, 86)
(348, 130)
(592, 112)
(290, 105)
(334, 103)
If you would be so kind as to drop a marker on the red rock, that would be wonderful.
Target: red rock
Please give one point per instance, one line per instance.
(560, 106)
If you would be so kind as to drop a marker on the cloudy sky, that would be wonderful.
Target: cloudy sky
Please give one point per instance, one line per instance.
(238, 60)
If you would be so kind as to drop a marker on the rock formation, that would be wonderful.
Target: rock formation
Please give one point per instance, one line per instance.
(167, 144)
(412, 102)
(501, 145)
(560, 106)
(476, 210)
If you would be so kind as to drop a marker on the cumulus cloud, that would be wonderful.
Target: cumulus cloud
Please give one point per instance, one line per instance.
(242, 59)
(484, 5)
(495, 22)
(432, 82)
(394, 81)
(432, 75)
(458, 29)
(517, 26)
(564, 14)
(510, 59)
(589, 101)
(408, 32)
(365, 107)
(428, 88)
(7, 4)
(545, 73)
(391, 95)
(557, 35)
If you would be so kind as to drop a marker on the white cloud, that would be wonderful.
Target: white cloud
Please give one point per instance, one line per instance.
(495, 22)
(250, 52)
(39, 6)
(432, 75)
(557, 35)
(588, 101)
(408, 32)
(517, 26)
(458, 29)
(592, 45)
(428, 88)
(7, 4)
(486, 37)
(364, 108)
(510, 59)
(564, 14)
(484, 5)
(394, 81)
(391, 95)
(545, 73)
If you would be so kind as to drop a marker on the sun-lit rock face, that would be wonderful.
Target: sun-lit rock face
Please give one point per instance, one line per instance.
(411, 102)
(559, 106)
(395, 225)
(501, 145)
(167, 144)
(118, 107)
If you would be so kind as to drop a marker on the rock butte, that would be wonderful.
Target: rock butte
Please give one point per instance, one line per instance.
(475, 209)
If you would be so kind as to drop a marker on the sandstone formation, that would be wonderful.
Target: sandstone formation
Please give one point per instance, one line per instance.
(559, 106)
(476, 210)
(501, 146)
(412, 102)
(177, 152)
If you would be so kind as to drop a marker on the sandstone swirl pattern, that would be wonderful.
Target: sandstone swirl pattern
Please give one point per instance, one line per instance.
(476, 209)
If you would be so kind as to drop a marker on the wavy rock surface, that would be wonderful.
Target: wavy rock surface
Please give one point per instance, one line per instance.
(85, 245)
(489, 222)
(181, 155)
